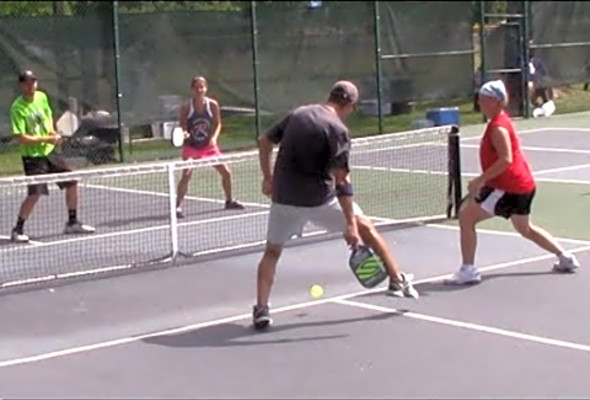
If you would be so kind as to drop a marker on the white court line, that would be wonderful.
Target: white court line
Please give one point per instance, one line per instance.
(235, 318)
(536, 148)
(519, 132)
(584, 130)
(398, 170)
(134, 231)
(563, 181)
(362, 152)
(506, 233)
(160, 194)
(466, 325)
(473, 174)
(562, 169)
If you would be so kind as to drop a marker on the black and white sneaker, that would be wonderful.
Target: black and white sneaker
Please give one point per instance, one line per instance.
(18, 236)
(78, 227)
(233, 205)
(261, 317)
(179, 213)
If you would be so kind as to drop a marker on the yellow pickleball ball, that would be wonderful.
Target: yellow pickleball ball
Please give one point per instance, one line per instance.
(316, 291)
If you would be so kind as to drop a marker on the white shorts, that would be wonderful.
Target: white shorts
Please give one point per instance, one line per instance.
(285, 221)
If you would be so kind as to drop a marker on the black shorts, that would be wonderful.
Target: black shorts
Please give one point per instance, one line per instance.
(503, 204)
(53, 163)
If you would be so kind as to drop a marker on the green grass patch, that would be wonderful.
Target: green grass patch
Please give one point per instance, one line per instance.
(239, 131)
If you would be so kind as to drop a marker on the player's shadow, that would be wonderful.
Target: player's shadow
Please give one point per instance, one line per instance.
(236, 335)
(440, 286)
(10, 243)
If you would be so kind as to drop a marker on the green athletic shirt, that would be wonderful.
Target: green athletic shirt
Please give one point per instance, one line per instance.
(33, 118)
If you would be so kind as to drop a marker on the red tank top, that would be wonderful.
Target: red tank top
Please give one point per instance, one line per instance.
(517, 178)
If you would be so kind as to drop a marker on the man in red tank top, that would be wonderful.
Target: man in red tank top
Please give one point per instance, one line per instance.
(505, 188)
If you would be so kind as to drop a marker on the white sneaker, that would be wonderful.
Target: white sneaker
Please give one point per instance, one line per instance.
(403, 288)
(78, 227)
(566, 263)
(465, 275)
(18, 237)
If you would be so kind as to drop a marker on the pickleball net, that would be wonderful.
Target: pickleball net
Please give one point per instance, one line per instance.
(401, 178)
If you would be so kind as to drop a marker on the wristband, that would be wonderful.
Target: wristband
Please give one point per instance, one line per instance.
(344, 189)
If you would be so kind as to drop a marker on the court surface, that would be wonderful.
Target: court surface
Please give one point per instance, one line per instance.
(185, 332)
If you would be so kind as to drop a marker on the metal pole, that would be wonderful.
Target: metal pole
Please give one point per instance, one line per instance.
(526, 56)
(482, 43)
(254, 33)
(172, 211)
(63, 92)
(377, 26)
(117, 57)
(454, 173)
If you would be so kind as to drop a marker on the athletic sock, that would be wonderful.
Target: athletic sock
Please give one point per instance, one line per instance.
(72, 217)
(20, 223)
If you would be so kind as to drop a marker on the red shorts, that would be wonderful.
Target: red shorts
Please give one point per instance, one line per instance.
(189, 152)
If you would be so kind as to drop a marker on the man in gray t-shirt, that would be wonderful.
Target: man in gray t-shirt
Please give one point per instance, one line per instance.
(310, 182)
(313, 141)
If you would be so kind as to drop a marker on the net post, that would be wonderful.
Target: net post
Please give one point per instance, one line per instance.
(455, 184)
(172, 206)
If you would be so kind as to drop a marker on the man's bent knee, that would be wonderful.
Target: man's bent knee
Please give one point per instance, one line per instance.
(273, 251)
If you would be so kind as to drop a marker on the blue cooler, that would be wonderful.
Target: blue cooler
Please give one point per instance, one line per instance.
(443, 116)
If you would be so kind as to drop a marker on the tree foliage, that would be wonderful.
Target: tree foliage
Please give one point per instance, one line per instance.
(70, 8)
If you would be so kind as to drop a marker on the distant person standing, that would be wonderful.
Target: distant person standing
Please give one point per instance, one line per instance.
(34, 129)
(200, 119)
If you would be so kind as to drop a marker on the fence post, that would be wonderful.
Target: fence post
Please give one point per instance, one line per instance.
(63, 92)
(378, 70)
(117, 56)
(482, 43)
(526, 56)
(254, 41)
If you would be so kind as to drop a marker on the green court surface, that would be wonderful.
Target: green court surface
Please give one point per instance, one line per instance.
(560, 208)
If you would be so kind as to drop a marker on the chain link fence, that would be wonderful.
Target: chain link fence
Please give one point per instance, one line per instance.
(116, 73)
(69, 46)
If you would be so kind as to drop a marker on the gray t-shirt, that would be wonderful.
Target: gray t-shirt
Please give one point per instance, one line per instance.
(312, 140)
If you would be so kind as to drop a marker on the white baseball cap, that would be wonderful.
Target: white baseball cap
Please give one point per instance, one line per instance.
(495, 89)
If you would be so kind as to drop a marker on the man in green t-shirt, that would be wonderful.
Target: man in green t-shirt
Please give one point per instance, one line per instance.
(33, 128)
